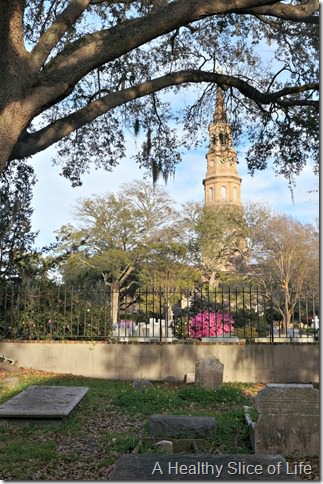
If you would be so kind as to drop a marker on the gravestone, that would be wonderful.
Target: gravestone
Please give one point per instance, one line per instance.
(141, 384)
(40, 402)
(209, 372)
(178, 426)
(204, 467)
(165, 445)
(288, 420)
(189, 377)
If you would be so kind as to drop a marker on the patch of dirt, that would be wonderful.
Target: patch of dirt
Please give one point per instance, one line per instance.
(254, 389)
(315, 467)
(13, 370)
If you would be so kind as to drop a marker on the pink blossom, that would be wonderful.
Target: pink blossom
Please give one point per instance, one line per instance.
(210, 324)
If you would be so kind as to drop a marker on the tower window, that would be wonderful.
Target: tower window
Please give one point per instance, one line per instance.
(223, 192)
(211, 193)
(222, 138)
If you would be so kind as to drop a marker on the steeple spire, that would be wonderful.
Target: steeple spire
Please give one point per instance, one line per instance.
(222, 181)
(219, 113)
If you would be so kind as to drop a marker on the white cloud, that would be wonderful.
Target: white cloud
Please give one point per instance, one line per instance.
(54, 197)
(302, 203)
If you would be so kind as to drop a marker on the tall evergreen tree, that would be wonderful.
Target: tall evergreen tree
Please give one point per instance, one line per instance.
(16, 236)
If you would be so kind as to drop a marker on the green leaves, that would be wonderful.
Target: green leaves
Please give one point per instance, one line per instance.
(215, 237)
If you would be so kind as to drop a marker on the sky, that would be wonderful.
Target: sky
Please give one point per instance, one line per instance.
(54, 199)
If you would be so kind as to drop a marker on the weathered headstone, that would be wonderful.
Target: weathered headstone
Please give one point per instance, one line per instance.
(209, 372)
(177, 426)
(189, 377)
(288, 420)
(165, 445)
(141, 384)
(204, 467)
(39, 402)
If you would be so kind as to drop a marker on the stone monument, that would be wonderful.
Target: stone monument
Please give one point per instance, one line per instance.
(209, 372)
(181, 426)
(288, 420)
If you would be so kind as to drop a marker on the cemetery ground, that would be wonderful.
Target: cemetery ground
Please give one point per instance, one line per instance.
(110, 421)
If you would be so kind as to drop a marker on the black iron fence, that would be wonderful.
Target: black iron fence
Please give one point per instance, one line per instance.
(225, 313)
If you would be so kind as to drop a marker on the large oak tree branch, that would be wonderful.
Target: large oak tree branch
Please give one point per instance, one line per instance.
(296, 13)
(31, 143)
(96, 49)
(300, 12)
(93, 50)
(11, 21)
(13, 54)
(54, 33)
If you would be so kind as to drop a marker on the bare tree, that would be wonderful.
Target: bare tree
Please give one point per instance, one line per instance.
(283, 254)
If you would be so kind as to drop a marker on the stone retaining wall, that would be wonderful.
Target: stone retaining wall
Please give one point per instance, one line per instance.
(276, 363)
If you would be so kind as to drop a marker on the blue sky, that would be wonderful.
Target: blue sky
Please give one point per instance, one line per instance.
(54, 198)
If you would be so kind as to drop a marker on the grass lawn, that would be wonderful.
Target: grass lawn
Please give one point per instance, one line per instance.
(110, 421)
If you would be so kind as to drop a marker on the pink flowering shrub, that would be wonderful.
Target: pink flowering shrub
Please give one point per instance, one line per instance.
(210, 324)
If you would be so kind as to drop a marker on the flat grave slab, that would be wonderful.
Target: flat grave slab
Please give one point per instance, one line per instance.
(43, 402)
(181, 426)
(205, 467)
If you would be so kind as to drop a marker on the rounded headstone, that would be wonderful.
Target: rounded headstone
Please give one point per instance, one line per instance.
(209, 372)
(141, 383)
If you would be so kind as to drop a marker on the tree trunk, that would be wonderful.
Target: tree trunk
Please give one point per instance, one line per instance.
(13, 120)
(115, 296)
(214, 281)
(287, 309)
(15, 76)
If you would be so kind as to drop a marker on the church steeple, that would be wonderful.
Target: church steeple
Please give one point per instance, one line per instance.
(220, 115)
(222, 181)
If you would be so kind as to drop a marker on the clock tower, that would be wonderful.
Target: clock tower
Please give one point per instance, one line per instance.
(222, 181)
